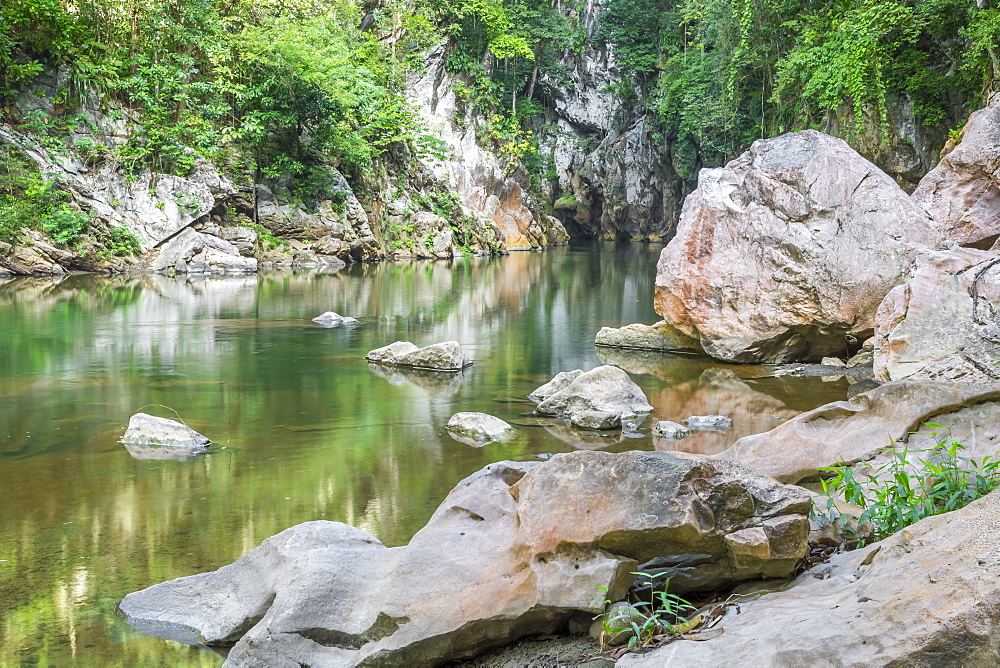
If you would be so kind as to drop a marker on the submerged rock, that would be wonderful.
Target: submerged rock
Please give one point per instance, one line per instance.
(606, 388)
(672, 430)
(148, 435)
(787, 249)
(525, 545)
(923, 597)
(447, 356)
(709, 422)
(596, 420)
(331, 319)
(481, 428)
(661, 336)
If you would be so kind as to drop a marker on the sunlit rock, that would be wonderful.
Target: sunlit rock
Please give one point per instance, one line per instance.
(526, 546)
(606, 388)
(447, 356)
(151, 437)
(479, 427)
(787, 249)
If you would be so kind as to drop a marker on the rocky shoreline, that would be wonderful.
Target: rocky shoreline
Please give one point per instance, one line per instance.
(799, 251)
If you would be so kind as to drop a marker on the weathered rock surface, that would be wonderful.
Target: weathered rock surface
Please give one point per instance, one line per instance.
(524, 543)
(606, 388)
(942, 324)
(558, 383)
(660, 336)
(331, 319)
(480, 427)
(709, 422)
(963, 191)
(786, 250)
(926, 596)
(447, 356)
(671, 430)
(857, 430)
(191, 252)
(485, 187)
(596, 420)
(148, 431)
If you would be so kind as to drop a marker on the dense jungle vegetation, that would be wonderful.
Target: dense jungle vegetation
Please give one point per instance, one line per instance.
(280, 87)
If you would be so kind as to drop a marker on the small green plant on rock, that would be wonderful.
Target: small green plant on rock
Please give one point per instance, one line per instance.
(645, 622)
(902, 491)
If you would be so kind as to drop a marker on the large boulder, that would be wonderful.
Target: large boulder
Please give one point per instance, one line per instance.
(942, 324)
(447, 356)
(606, 388)
(660, 336)
(515, 549)
(963, 191)
(927, 596)
(786, 250)
(861, 428)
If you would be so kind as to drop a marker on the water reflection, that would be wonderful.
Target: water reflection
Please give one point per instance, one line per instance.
(311, 431)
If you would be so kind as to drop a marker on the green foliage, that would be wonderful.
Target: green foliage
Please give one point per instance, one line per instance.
(906, 489)
(663, 615)
(29, 201)
(721, 73)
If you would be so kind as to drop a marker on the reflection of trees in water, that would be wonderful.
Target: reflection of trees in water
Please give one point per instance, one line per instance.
(308, 421)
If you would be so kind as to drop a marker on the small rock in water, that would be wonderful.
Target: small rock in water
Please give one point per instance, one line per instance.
(709, 422)
(832, 361)
(481, 427)
(558, 383)
(672, 430)
(447, 356)
(544, 456)
(151, 437)
(331, 319)
(596, 420)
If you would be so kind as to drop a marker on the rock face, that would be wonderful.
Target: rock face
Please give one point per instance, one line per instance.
(606, 388)
(660, 336)
(447, 356)
(149, 431)
(191, 252)
(480, 427)
(942, 324)
(857, 430)
(786, 250)
(926, 596)
(478, 176)
(963, 191)
(524, 544)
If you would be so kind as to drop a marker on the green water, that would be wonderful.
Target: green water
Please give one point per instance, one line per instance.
(312, 432)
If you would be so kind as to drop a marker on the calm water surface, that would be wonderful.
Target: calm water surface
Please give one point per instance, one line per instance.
(312, 431)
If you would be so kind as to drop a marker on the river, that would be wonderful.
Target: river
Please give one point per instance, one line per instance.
(303, 428)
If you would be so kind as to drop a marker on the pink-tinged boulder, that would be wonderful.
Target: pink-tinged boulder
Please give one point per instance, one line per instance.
(515, 549)
(926, 596)
(943, 323)
(786, 250)
(963, 191)
(859, 429)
